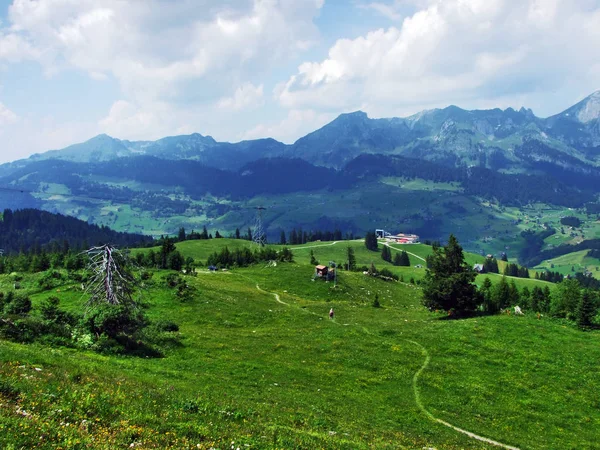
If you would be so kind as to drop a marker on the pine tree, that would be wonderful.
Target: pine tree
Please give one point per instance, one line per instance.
(386, 254)
(486, 294)
(501, 294)
(586, 310)
(371, 241)
(351, 258)
(565, 299)
(376, 303)
(514, 296)
(404, 259)
(282, 239)
(525, 297)
(448, 282)
(313, 260)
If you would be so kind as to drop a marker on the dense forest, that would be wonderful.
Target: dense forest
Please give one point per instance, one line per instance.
(34, 230)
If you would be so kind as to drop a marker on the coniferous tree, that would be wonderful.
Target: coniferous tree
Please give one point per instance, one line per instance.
(501, 295)
(586, 310)
(404, 259)
(514, 296)
(525, 297)
(565, 299)
(371, 241)
(546, 303)
(487, 296)
(313, 260)
(386, 254)
(282, 239)
(376, 303)
(237, 233)
(537, 299)
(448, 283)
(351, 258)
(204, 234)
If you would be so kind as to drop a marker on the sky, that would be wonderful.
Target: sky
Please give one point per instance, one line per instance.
(248, 69)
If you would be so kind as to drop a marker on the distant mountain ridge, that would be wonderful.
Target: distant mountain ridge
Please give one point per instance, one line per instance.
(450, 136)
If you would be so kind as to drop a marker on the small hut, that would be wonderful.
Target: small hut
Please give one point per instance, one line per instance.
(321, 270)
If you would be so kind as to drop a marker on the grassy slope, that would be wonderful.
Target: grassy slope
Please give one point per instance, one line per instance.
(272, 375)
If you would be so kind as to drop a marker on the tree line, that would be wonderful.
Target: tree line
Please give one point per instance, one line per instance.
(449, 286)
(33, 230)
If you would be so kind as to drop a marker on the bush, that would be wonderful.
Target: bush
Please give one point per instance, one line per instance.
(166, 325)
(51, 312)
(20, 306)
(113, 320)
(50, 280)
(173, 279)
(376, 303)
(7, 390)
(386, 273)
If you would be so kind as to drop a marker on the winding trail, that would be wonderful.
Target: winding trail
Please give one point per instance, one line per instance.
(414, 380)
(273, 294)
(435, 419)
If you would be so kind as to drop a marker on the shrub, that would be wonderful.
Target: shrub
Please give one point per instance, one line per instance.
(50, 279)
(20, 305)
(7, 390)
(113, 320)
(166, 325)
(376, 303)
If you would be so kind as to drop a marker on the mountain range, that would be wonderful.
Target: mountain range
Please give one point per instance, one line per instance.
(451, 136)
(348, 174)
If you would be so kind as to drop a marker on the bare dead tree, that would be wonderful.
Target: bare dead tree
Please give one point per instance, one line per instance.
(111, 282)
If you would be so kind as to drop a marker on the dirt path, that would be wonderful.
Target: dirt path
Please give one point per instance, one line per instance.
(435, 419)
(414, 380)
(314, 246)
(273, 294)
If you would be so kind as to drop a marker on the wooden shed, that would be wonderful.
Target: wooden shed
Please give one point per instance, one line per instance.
(321, 270)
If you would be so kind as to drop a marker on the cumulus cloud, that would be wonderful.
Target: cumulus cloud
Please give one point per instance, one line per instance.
(7, 117)
(245, 96)
(156, 48)
(455, 51)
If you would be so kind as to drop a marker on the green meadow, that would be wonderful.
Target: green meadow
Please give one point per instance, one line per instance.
(257, 363)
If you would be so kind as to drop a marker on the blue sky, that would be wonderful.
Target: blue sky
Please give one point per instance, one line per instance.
(246, 69)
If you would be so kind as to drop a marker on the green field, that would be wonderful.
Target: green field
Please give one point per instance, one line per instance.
(256, 370)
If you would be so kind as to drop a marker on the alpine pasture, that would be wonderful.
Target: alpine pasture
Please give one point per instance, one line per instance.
(257, 363)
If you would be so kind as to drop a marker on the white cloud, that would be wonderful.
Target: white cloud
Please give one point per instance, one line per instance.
(391, 11)
(295, 125)
(155, 48)
(245, 96)
(7, 117)
(455, 51)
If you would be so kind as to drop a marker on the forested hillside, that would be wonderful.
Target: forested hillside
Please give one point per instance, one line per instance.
(34, 230)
